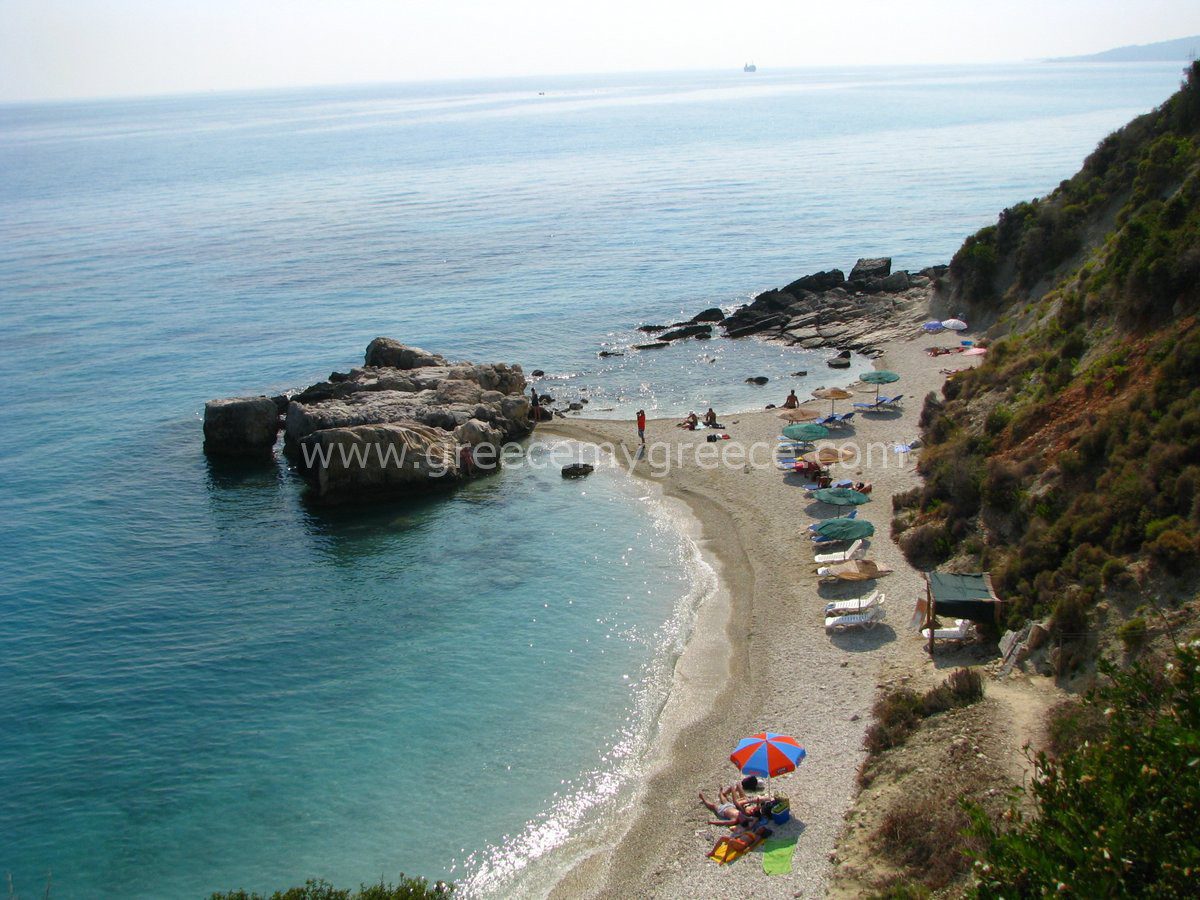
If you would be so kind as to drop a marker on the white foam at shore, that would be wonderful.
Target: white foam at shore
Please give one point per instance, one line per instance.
(591, 807)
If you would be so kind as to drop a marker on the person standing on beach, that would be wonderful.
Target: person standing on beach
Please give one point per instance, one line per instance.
(641, 425)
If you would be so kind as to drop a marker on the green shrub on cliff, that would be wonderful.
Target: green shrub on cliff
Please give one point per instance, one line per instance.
(1115, 814)
(1130, 173)
(1075, 448)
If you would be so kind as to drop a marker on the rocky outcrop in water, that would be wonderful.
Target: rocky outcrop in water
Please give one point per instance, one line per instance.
(240, 426)
(826, 310)
(702, 329)
(393, 426)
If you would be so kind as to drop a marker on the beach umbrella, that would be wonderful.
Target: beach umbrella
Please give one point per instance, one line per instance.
(828, 455)
(766, 754)
(955, 324)
(844, 529)
(832, 395)
(799, 415)
(805, 431)
(878, 377)
(934, 327)
(841, 496)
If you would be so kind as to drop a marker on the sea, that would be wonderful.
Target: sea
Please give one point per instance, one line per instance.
(208, 683)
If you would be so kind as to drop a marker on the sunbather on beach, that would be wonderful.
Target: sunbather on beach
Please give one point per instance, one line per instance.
(733, 807)
(726, 811)
(792, 400)
(710, 419)
(863, 487)
(690, 422)
(730, 847)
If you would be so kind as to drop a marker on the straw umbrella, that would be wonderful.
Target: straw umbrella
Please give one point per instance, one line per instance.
(832, 395)
(799, 415)
(829, 455)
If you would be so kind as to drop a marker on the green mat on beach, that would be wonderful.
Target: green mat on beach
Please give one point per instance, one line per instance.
(777, 855)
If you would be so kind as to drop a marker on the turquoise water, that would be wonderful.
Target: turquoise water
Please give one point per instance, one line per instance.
(205, 683)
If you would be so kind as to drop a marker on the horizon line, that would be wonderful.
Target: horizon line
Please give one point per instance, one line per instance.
(50, 100)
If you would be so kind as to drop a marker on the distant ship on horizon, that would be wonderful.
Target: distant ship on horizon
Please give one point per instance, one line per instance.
(749, 67)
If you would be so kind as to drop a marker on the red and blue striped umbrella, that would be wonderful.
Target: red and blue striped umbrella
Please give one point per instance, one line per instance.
(767, 754)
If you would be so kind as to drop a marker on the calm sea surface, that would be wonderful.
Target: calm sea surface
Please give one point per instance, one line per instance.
(207, 684)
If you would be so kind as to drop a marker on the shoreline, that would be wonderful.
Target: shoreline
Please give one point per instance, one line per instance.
(758, 658)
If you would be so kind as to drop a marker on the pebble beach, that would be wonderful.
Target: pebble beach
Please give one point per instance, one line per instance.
(759, 657)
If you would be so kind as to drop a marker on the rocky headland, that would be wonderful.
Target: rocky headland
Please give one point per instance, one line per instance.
(860, 312)
(396, 425)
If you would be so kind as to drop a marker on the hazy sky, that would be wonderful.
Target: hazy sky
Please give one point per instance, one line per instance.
(72, 48)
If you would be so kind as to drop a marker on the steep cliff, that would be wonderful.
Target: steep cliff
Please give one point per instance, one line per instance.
(1069, 463)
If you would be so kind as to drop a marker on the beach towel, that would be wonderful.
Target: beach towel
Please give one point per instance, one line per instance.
(777, 855)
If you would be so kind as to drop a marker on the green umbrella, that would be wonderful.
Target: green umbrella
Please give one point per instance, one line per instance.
(841, 496)
(805, 431)
(878, 377)
(844, 529)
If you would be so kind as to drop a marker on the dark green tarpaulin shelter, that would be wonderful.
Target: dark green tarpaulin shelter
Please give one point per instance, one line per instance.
(962, 597)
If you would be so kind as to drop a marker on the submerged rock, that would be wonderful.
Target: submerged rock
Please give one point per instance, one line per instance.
(687, 331)
(577, 470)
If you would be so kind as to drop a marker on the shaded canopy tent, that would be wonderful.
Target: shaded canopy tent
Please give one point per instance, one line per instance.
(970, 597)
(832, 395)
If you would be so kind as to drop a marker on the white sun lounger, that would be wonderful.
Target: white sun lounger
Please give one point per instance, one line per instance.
(854, 551)
(865, 620)
(961, 631)
(857, 605)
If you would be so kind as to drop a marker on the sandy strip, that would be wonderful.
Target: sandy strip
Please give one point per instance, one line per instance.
(759, 657)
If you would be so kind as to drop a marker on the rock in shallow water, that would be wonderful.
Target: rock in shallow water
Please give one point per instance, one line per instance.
(577, 470)
(395, 355)
(240, 426)
(369, 462)
(391, 427)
